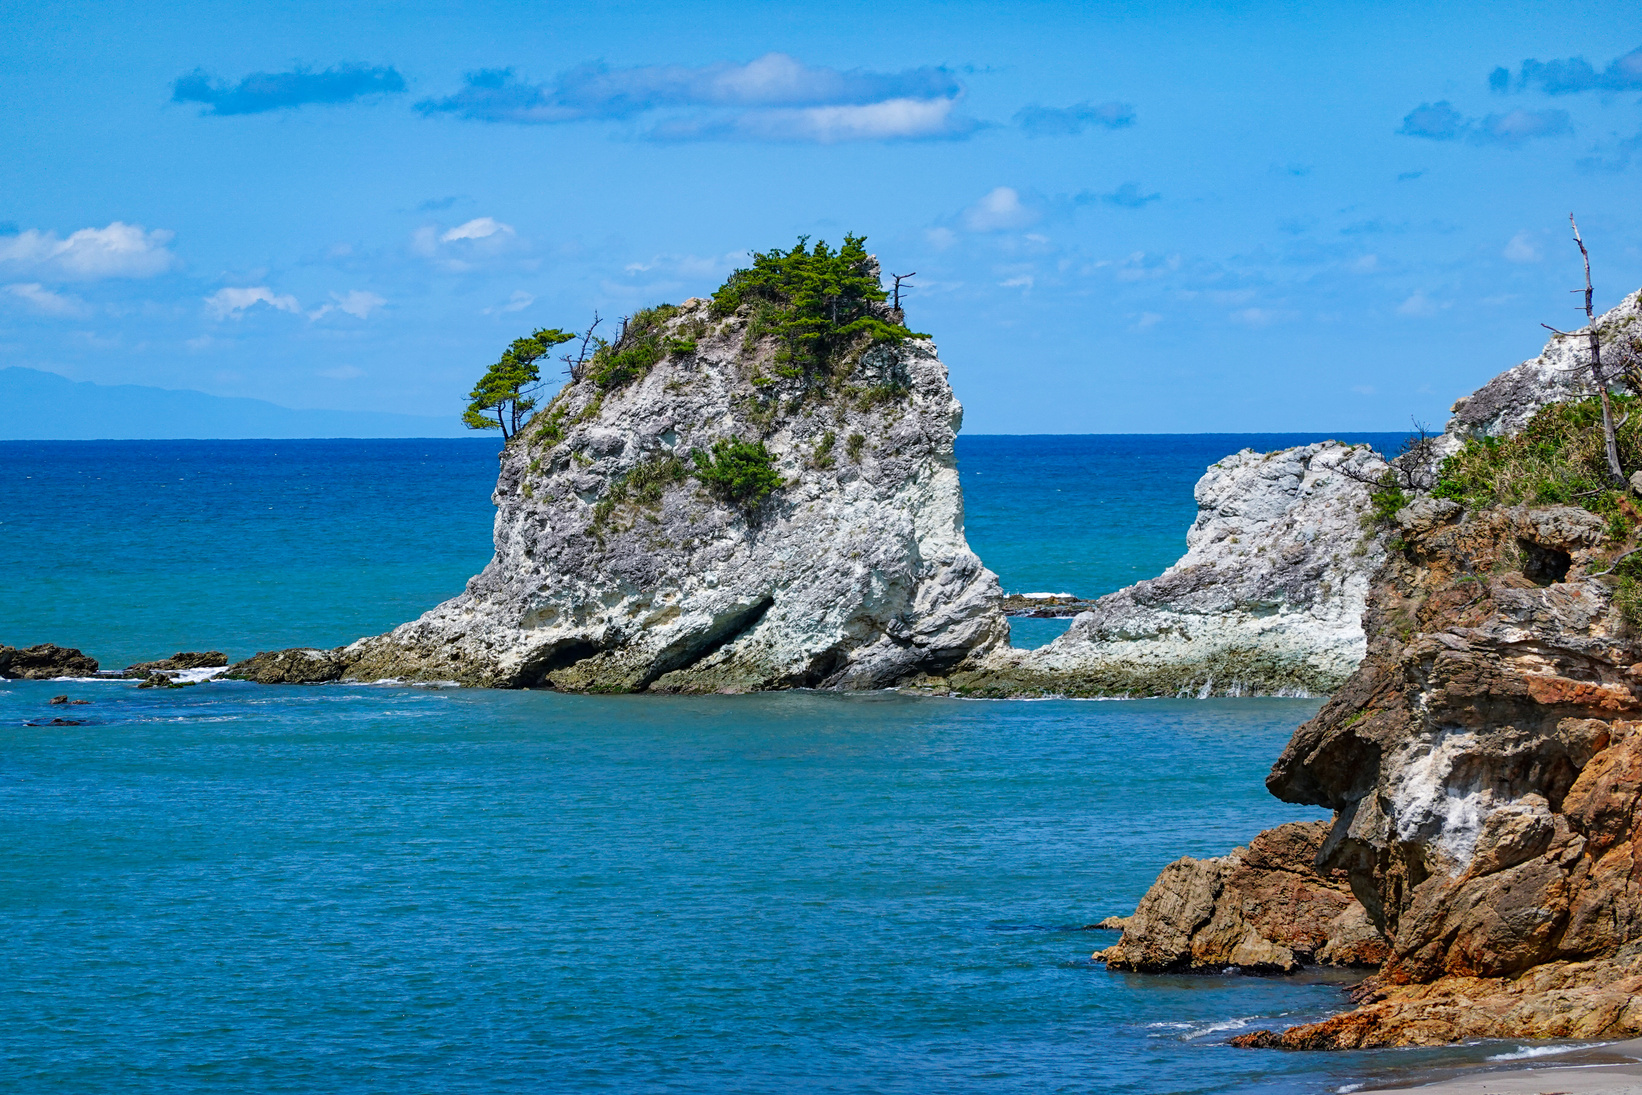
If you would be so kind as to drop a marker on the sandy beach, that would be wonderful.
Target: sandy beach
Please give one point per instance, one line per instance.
(1594, 1078)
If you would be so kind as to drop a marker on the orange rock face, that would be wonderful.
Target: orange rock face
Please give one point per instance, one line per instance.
(1264, 908)
(1485, 769)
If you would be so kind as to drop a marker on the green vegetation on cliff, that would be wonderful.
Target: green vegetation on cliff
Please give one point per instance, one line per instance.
(738, 471)
(1557, 459)
(506, 389)
(819, 302)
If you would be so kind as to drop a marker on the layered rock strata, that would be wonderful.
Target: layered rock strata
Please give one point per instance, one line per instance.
(617, 570)
(1267, 600)
(1264, 908)
(1483, 764)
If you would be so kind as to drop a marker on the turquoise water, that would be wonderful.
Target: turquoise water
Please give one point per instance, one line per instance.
(350, 889)
(132, 550)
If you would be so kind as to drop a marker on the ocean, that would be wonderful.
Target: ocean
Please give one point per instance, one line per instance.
(232, 888)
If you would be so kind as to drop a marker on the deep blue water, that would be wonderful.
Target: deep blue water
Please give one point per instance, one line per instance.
(361, 889)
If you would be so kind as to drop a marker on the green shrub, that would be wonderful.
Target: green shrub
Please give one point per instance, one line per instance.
(880, 393)
(1387, 499)
(1627, 596)
(551, 431)
(740, 472)
(854, 445)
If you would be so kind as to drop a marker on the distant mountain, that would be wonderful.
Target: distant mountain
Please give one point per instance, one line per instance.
(40, 406)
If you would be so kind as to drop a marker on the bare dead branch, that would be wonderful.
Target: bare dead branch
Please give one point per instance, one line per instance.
(899, 278)
(576, 364)
(1613, 565)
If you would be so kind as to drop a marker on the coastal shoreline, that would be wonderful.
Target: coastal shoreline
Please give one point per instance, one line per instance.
(1611, 1069)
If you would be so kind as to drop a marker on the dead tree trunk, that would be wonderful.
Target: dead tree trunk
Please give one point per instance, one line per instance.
(1610, 438)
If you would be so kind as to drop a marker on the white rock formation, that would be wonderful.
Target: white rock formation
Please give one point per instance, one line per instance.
(617, 570)
(1560, 373)
(1267, 600)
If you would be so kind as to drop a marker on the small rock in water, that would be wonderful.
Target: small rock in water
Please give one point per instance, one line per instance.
(160, 680)
(65, 699)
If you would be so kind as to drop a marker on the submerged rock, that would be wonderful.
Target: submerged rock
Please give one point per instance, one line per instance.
(44, 662)
(617, 569)
(1267, 600)
(182, 660)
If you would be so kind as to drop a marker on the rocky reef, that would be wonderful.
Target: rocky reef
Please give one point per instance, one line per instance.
(44, 661)
(181, 661)
(1267, 600)
(1483, 763)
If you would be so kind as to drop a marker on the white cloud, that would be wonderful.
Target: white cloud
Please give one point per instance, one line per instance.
(1020, 281)
(1419, 305)
(355, 303)
(1000, 209)
(1147, 321)
(1366, 264)
(517, 302)
(342, 372)
(1522, 248)
(233, 303)
(43, 300)
(476, 229)
(119, 251)
(773, 98)
(466, 246)
(892, 119)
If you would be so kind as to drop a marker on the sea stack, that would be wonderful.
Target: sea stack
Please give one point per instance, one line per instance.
(630, 557)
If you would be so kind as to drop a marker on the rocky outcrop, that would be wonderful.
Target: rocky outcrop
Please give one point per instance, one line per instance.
(301, 665)
(1485, 767)
(1560, 373)
(1264, 908)
(180, 661)
(1267, 600)
(617, 569)
(44, 662)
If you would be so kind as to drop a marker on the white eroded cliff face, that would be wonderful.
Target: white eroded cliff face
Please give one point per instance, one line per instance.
(1560, 373)
(617, 569)
(1267, 600)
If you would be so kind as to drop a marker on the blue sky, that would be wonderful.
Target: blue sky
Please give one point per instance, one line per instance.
(1123, 217)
